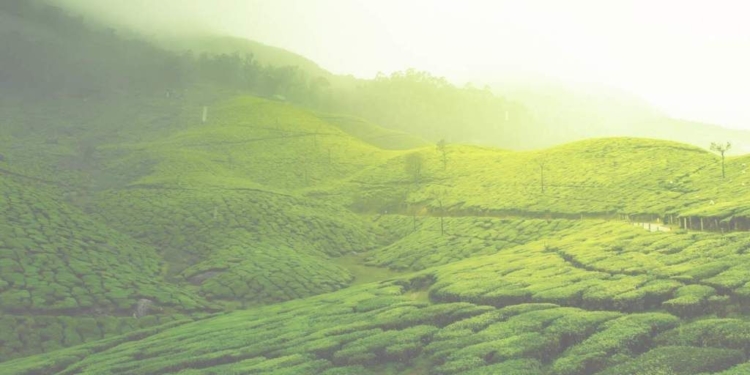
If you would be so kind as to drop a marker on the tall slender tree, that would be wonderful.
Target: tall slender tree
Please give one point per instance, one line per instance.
(442, 147)
(721, 149)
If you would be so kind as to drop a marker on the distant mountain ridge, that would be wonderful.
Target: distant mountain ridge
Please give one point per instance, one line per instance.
(520, 115)
(564, 113)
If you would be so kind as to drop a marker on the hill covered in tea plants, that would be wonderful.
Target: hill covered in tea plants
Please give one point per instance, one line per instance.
(566, 307)
(271, 239)
(182, 214)
(128, 222)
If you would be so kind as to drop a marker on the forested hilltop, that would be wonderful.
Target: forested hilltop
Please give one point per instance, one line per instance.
(52, 53)
(172, 212)
(52, 50)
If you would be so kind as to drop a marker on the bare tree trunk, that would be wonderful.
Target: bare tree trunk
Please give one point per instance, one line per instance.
(442, 226)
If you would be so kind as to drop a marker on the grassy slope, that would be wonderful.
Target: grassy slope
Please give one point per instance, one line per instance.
(373, 134)
(600, 177)
(219, 201)
(208, 205)
(160, 199)
(622, 303)
(66, 279)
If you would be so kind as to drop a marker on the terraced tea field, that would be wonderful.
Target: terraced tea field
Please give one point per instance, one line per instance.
(271, 239)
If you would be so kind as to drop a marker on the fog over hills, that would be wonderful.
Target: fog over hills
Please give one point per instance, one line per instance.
(182, 195)
(563, 102)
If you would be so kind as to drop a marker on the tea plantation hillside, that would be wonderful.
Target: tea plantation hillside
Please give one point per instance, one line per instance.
(66, 278)
(201, 205)
(249, 246)
(246, 142)
(627, 302)
(721, 198)
(252, 236)
(593, 178)
(65, 139)
(159, 213)
(218, 199)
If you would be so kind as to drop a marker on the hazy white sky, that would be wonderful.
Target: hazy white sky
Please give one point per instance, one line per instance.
(689, 58)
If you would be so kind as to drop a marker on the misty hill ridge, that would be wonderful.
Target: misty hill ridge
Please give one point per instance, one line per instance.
(524, 117)
(286, 232)
(265, 54)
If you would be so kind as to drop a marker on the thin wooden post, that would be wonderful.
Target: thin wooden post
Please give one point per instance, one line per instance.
(442, 213)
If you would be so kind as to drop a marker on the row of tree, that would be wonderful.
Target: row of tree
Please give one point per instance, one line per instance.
(49, 52)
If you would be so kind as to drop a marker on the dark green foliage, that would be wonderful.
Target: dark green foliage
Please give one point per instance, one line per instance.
(624, 336)
(27, 335)
(718, 333)
(690, 300)
(679, 360)
(513, 367)
(56, 260)
(252, 246)
(464, 238)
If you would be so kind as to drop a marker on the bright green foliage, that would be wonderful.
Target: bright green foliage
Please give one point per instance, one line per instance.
(719, 333)
(595, 177)
(679, 360)
(337, 255)
(325, 330)
(539, 333)
(250, 142)
(617, 339)
(336, 330)
(56, 260)
(610, 266)
(253, 246)
(27, 335)
(423, 246)
(52, 251)
(690, 300)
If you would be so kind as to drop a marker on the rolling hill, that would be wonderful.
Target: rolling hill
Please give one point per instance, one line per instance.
(568, 308)
(504, 277)
(205, 229)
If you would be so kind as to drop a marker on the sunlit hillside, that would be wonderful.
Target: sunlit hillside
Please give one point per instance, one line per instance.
(225, 231)
(191, 204)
